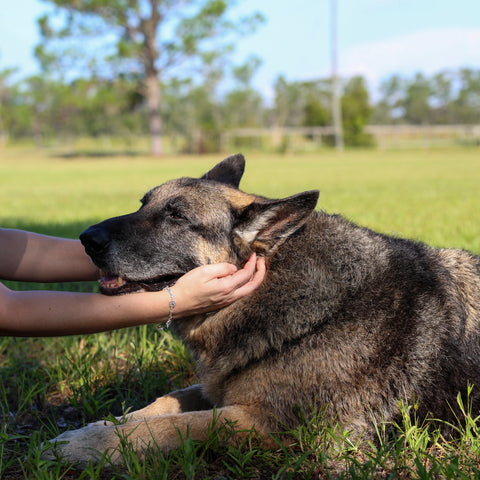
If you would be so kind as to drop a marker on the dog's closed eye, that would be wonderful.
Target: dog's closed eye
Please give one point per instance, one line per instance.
(174, 210)
(173, 213)
(176, 216)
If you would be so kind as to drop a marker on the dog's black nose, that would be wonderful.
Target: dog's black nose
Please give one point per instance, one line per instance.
(95, 240)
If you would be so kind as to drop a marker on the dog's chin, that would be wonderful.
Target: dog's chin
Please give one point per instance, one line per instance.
(117, 285)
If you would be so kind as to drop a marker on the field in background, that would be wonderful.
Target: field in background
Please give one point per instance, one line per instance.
(428, 195)
(48, 385)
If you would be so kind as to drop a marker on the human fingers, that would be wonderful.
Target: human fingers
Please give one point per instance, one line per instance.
(202, 289)
(254, 281)
(244, 275)
(261, 269)
(207, 273)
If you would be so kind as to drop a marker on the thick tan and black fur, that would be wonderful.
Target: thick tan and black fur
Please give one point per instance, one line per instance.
(346, 318)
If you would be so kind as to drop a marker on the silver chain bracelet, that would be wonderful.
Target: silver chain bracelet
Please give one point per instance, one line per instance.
(171, 304)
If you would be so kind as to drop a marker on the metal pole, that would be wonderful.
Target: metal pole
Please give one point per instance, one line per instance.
(336, 96)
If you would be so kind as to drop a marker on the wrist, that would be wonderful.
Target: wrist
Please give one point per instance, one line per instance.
(171, 304)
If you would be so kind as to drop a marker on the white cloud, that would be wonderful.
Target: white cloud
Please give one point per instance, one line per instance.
(427, 51)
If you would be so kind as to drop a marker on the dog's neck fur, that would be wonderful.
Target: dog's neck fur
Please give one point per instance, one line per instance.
(308, 264)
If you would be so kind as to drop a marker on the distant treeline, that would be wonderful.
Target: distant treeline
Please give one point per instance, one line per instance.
(160, 69)
(195, 115)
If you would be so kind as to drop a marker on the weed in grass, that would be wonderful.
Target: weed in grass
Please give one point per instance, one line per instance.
(8, 451)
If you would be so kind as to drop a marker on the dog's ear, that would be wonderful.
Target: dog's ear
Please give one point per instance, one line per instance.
(228, 171)
(263, 226)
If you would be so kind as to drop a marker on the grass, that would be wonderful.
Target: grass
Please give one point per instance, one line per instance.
(49, 385)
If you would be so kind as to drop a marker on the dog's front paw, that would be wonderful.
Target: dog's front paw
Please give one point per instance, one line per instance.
(86, 444)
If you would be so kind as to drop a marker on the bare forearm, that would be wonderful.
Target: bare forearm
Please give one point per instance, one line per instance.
(40, 258)
(44, 313)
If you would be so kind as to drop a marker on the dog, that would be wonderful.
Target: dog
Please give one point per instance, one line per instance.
(346, 319)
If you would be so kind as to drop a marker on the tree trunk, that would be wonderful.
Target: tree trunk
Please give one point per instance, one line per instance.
(149, 27)
(155, 120)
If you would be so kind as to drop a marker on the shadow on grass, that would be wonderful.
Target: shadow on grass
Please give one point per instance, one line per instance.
(100, 154)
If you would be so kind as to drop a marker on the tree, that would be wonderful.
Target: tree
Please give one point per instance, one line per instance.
(192, 110)
(4, 91)
(148, 37)
(289, 108)
(243, 105)
(356, 113)
(317, 109)
(390, 107)
(467, 103)
(442, 96)
(417, 100)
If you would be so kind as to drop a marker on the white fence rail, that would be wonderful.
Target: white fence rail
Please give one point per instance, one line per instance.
(386, 136)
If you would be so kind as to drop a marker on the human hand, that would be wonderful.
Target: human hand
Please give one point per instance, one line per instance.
(214, 286)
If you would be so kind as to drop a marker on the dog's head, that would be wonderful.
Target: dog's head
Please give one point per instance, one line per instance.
(189, 222)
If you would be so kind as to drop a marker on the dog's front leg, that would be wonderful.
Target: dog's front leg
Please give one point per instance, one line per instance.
(163, 433)
(180, 401)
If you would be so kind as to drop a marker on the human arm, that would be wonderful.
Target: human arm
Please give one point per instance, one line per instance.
(33, 257)
(48, 313)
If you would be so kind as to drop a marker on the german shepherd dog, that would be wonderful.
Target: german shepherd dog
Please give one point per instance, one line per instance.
(346, 320)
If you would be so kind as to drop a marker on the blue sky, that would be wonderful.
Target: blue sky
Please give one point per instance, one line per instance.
(376, 37)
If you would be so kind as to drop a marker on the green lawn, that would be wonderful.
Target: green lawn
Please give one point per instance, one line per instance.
(47, 385)
(428, 195)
